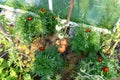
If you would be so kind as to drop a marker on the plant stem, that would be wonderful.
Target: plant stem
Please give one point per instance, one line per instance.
(5, 34)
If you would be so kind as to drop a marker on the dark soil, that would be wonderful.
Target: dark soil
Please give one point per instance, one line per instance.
(71, 60)
(118, 52)
(36, 78)
(118, 48)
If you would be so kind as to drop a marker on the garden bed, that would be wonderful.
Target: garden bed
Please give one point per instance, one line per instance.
(34, 49)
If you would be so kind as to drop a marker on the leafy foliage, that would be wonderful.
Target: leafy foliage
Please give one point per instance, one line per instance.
(47, 17)
(17, 4)
(12, 69)
(50, 21)
(47, 62)
(3, 21)
(85, 41)
(91, 69)
(29, 28)
(110, 41)
(43, 22)
(4, 42)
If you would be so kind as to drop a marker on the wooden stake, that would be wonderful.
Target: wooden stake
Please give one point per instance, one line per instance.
(69, 13)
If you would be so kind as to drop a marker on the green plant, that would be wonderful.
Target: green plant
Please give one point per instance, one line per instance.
(4, 41)
(3, 21)
(28, 25)
(12, 68)
(91, 69)
(17, 4)
(110, 41)
(4, 46)
(47, 17)
(86, 40)
(47, 63)
(56, 77)
(41, 22)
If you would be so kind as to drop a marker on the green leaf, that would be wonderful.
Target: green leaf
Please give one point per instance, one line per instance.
(27, 77)
(47, 62)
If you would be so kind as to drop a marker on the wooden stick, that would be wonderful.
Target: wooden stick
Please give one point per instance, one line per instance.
(69, 13)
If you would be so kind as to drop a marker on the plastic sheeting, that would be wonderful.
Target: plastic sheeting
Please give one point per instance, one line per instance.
(27, 2)
(89, 11)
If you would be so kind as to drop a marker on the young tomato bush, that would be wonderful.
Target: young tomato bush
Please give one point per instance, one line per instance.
(103, 65)
(86, 40)
(91, 68)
